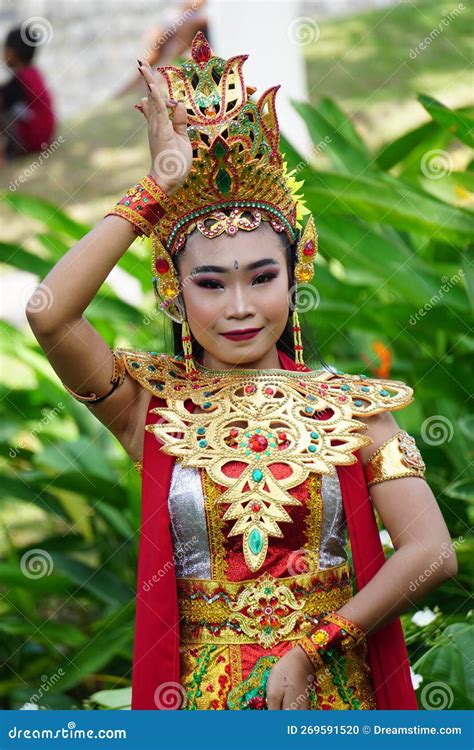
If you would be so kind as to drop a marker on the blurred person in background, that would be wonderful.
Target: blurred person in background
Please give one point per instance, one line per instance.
(172, 37)
(27, 117)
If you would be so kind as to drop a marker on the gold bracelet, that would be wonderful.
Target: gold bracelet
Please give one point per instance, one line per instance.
(118, 376)
(333, 636)
(397, 457)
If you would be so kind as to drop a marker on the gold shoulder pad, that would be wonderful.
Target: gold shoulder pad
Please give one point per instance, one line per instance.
(369, 396)
(150, 369)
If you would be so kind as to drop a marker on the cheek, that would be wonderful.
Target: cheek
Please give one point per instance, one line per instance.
(273, 298)
(199, 306)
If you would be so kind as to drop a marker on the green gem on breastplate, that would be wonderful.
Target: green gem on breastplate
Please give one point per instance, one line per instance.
(255, 541)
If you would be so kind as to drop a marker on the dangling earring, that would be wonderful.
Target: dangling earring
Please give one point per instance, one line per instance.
(187, 347)
(304, 271)
(297, 342)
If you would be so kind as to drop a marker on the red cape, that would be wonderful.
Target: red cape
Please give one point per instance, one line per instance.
(156, 655)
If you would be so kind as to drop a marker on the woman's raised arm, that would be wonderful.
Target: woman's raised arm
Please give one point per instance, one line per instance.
(55, 311)
(77, 352)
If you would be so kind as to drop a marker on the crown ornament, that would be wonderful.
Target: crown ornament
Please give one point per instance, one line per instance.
(238, 176)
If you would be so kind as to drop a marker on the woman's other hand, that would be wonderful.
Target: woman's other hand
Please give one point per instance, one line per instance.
(289, 681)
(170, 148)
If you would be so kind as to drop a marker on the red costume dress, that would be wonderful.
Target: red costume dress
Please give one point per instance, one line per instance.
(208, 627)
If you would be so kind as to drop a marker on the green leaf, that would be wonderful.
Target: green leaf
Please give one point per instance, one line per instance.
(104, 586)
(450, 663)
(374, 201)
(119, 699)
(97, 653)
(18, 257)
(459, 125)
(47, 212)
(462, 489)
(398, 150)
(345, 156)
(340, 121)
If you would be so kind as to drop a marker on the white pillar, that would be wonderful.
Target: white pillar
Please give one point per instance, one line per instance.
(272, 33)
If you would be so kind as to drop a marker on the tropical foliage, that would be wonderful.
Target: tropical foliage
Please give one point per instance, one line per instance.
(392, 296)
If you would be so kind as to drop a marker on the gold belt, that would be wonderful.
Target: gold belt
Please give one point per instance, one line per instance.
(264, 610)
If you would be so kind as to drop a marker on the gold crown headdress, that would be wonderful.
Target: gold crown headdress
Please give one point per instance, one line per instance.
(237, 168)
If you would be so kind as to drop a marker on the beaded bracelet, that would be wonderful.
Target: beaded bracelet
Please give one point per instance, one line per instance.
(333, 636)
(118, 376)
(143, 205)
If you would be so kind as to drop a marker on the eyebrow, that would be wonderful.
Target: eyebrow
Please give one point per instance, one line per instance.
(249, 267)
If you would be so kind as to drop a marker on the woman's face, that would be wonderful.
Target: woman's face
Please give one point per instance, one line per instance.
(222, 293)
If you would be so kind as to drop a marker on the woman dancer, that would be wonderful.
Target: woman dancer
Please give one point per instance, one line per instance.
(255, 468)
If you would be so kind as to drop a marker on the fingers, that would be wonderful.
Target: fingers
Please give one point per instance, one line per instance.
(274, 700)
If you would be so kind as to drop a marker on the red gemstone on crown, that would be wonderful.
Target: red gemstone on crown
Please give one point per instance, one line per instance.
(309, 248)
(201, 50)
(258, 443)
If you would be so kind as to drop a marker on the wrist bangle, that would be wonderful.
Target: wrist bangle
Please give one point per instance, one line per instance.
(118, 376)
(143, 205)
(334, 636)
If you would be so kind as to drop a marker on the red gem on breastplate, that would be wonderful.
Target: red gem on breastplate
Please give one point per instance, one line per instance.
(162, 265)
(258, 443)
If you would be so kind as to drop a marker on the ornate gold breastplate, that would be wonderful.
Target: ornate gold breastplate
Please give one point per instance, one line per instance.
(305, 420)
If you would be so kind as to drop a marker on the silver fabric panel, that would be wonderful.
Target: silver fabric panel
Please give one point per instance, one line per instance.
(189, 529)
(333, 531)
(192, 557)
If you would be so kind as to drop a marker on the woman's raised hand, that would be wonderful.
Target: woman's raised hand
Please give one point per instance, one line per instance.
(170, 148)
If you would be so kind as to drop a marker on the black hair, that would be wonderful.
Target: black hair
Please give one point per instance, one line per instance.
(285, 342)
(22, 41)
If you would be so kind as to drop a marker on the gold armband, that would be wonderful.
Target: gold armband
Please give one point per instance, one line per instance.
(397, 457)
(118, 376)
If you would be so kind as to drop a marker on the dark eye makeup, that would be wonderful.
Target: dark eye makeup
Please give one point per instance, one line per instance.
(215, 284)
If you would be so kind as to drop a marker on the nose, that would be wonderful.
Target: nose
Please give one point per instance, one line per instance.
(240, 304)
